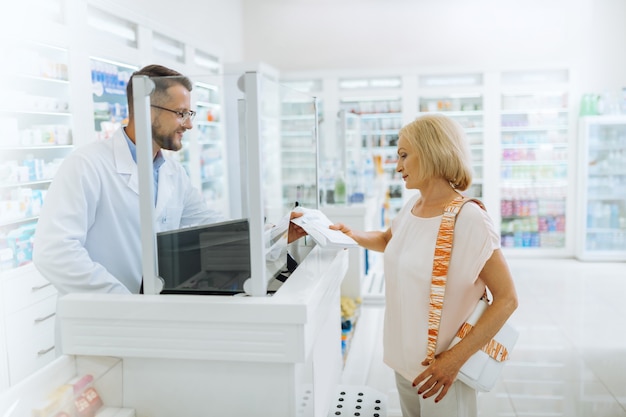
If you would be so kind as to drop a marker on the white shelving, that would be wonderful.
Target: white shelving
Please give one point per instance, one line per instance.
(379, 103)
(205, 156)
(66, 72)
(534, 175)
(520, 130)
(109, 80)
(460, 97)
(299, 148)
(36, 129)
(28, 307)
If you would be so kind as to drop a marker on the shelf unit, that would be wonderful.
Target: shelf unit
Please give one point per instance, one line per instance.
(298, 128)
(535, 157)
(109, 80)
(357, 159)
(36, 127)
(379, 103)
(297, 113)
(207, 141)
(520, 128)
(60, 89)
(37, 135)
(460, 97)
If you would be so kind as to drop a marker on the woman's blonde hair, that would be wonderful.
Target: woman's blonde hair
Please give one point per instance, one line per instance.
(442, 149)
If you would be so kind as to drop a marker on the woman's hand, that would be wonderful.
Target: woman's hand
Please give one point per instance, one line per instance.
(342, 228)
(439, 376)
(373, 240)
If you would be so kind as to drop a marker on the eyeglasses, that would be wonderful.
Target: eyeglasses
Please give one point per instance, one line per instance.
(184, 115)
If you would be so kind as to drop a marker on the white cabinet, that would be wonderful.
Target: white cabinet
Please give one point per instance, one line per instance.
(36, 130)
(28, 307)
(93, 384)
(602, 179)
(169, 355)
(4, 363)
(30, 338)
(188, 355)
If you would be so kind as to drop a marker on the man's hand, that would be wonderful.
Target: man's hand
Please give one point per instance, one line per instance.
(295, 231)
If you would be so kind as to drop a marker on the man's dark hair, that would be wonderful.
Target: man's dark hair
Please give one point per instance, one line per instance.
(163, 78)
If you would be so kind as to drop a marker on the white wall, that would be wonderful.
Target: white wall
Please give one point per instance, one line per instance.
(214, 26)
(299, 35)
(605, 32)
(211, 25)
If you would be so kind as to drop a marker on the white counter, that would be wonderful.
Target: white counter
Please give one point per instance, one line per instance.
(214, 355)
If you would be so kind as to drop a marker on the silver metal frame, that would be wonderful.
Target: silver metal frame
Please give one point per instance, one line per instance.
(251, 174)
(143, 86)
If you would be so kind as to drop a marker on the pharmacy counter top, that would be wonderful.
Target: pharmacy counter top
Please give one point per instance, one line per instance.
(212, 352)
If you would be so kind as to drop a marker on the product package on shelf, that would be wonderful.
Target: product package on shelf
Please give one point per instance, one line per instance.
(77, 398)
(350, 310)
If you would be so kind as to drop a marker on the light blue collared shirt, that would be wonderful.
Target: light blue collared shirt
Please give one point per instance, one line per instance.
(158, 161)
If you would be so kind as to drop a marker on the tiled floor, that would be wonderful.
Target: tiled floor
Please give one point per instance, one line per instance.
(570, 359)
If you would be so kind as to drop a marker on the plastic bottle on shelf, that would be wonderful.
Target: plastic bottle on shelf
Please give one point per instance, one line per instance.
(368, 177)
(327, 186)
(355, 184)
(340, 188)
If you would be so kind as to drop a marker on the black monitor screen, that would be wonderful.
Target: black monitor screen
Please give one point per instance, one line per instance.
(208, 259)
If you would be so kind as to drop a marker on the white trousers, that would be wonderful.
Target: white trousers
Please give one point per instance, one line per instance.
(460, 401)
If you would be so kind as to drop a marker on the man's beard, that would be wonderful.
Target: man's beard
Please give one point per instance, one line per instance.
(165, 141)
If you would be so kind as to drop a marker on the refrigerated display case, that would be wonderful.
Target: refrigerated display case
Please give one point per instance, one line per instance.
(460, 97)
(602, 189)
(535, 154)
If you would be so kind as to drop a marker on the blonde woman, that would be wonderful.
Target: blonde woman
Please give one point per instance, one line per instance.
(433, 157)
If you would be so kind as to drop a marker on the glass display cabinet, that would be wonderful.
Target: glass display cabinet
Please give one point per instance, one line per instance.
(602, 181)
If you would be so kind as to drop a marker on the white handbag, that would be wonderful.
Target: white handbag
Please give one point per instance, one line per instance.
(482, 369)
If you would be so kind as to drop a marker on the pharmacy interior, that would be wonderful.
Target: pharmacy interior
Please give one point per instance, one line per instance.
(548, 160)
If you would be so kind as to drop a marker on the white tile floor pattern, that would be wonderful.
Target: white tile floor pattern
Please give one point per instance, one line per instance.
(570, 359)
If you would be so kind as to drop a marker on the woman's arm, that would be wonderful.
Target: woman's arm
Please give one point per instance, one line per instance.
(374, 240)
(442, 372)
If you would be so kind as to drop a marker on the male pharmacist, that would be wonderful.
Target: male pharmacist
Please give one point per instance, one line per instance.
(88, 234)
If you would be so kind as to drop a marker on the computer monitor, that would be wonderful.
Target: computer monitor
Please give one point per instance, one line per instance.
(212, 259)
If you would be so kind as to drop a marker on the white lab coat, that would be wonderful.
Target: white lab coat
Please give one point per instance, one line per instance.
(88, 235)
